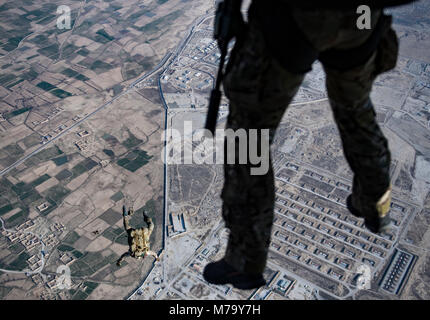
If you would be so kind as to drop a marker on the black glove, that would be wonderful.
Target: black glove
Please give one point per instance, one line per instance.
(229, 22)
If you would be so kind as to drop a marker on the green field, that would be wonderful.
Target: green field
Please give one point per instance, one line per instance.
(48, 154)
(31, 140)
(12, 43)
(6, 209)
(74, 74)
(20, 263)
(13, 150)
(109, 153)
(56, 194)
(61, 160)
(69, 51)
(83, 166)
(89, 263)
(64, 248)
(78, 169)
(132, 141)
(17, 112)
(83, 52)
(46, 86)
(42, 156)
(77, 254)
(138, 14)
(21, 188)
(30, 197)
(134, 160)
(99, 66)
(80, 295)
(10, 85)
(17, 219)
(160, 23)
(103, 37)
(90, 286)
(113, 233)
(110, 139)
(63, 175)
(16, 248)
(71, 237)
(80, 269)
(132, 70)
(51, 51)
(60, 93)
(40, 180)
(117, 196)
(6, 78)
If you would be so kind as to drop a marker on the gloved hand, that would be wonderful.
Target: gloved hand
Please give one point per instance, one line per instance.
(229, 22)
(146, 218)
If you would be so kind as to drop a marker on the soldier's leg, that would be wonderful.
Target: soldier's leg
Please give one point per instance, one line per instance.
(119, 261)
(364, 144)
(149, 222)
(259, 91)
(126, 219)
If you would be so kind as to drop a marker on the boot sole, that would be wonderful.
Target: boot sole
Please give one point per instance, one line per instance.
(243, 285)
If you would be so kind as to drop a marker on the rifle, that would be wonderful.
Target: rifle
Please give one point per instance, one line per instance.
(225, 25)
(215, 98)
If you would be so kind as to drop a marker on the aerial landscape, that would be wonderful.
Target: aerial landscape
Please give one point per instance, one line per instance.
(83, 119)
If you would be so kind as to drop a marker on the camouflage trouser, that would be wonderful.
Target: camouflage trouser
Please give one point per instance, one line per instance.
(259, 90)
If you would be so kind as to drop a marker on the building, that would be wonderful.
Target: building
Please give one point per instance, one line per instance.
(177, 224)
(43, 207)
(83, 134)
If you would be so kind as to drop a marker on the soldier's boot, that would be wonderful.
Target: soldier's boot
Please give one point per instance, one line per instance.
(159, 257)
(376, 219)
(221, 272)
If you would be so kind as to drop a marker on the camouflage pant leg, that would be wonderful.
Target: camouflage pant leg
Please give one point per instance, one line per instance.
(123, 256)
(364, 144)
(126, 222)
(259, 90)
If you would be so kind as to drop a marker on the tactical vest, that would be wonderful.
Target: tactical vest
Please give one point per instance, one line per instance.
(139, 242)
